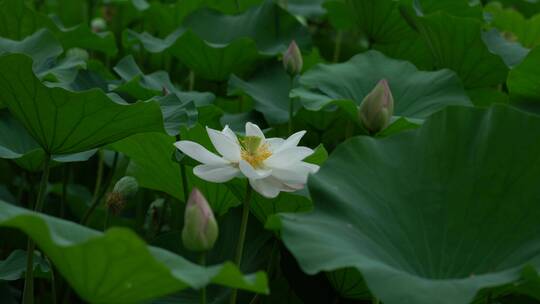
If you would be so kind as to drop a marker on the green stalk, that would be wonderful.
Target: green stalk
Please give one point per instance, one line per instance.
(53, 282)
(107, 219)
(242, 237)
(98, 195)
(202, 262)
(185, 186)
(337, 46)
(191, 79)
(28, 294)
(20, 191)
(291, 107)
(63, 198)
(184, 182)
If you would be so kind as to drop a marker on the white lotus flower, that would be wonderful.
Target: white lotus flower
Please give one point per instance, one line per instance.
(272, 165)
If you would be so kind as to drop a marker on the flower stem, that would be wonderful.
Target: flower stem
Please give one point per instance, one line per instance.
(202, 262)
(337, 46)
(22, 186)
(291, 107)
(184, 183)
(28, 294)
(185, 186)
(100, 192)
(242, 236)
(191, 79)
(53, 282)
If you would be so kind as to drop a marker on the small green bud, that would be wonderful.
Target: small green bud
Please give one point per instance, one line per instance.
(78, 53)
(127, 186)
(98, 25)
(200, 227)
(377, 108)
(292, 59)
(123, 190)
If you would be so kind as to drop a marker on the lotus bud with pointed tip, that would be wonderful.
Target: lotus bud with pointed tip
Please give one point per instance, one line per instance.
(292, 59)
(124, 189)
(377, 108)
(200, 227)
(98, 25)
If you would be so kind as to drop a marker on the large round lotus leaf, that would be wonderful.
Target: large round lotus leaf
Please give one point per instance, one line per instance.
(64, 122)
(456, 43)
(417, 94)
(432, 215)
(117, 266)
(16, 144)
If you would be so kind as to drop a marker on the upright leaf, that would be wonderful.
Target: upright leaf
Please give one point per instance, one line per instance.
(65, 122)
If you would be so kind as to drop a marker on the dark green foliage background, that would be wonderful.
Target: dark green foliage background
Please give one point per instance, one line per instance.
(442, 206)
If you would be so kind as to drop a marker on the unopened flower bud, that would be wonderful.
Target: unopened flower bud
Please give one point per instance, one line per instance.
(98, 25)
(292, 59)
(123, 190)
(377, 108)
(200, 227)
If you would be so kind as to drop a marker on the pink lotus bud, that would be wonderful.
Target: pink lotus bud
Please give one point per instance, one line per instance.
(292, 59)
(200, 227)
(377, 108)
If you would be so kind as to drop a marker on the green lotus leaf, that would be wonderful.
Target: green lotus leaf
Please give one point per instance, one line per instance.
(214, 62)
(475, 64)
(123, 268)
(526, 31)
(179, 108)
(41, 46)
(20, 21)
(215, 45)
(89, 119)
(14, 266)
(523, 81)
(258, 24)
(81, 36)
(16, 144)
(467, 9)
(383, 28)
(306, 8)
(525, 7)
(417, 94)
(44, 48)
(269, 89)
(439, 213)
(512, 53)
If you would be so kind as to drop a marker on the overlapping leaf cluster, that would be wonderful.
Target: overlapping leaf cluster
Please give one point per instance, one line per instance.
(441, 206)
